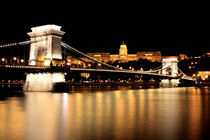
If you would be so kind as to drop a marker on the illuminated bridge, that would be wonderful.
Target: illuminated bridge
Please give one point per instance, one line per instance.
(46, 54)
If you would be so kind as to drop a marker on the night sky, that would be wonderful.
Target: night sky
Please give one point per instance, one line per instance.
(170, 33)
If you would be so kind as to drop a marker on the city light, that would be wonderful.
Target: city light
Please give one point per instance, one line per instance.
(22, 60)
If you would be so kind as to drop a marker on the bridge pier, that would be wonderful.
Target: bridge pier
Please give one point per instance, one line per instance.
(169, 82)
(43, 81)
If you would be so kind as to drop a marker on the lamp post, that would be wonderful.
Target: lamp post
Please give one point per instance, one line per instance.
(69, 62)
(15, 60)
(99, 65)
(3, 60)
(22, 61)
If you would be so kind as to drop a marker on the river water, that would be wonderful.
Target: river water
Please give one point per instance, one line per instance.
(119, 113)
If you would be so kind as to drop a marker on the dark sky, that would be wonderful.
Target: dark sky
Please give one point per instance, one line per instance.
(166, 31)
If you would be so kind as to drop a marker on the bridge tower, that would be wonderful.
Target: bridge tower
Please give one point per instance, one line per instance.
(49, 48)
(42, 53)
(171, 68)
(172, 64)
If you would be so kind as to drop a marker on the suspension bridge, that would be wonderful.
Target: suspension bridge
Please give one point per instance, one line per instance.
(46, 51)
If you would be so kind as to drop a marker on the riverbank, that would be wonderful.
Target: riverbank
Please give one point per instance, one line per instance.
(68, 86)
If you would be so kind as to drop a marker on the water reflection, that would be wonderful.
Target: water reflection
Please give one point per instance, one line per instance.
(164, 113)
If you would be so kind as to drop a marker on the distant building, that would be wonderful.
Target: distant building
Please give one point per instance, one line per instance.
(207, 54)
(124, 57)
(204, 75)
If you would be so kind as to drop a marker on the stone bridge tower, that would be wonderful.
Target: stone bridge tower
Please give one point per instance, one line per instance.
(49, 48)
(43, 53)
(172, 64)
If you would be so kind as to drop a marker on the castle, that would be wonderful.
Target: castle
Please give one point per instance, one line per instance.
(122, 57)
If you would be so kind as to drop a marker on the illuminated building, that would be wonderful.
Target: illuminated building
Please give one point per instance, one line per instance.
(204, 75)
(123, 56)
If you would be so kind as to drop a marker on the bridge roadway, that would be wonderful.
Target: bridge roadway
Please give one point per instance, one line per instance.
(102, 70)
(131, 72)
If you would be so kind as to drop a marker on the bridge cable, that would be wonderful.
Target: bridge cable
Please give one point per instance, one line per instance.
(97, 61)
(22, 43)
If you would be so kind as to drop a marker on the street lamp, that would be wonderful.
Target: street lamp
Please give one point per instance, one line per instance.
(22, 61)
(99, 65)
(3, 60)
(14, 59)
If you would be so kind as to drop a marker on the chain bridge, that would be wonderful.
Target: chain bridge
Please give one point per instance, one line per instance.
(46, 55)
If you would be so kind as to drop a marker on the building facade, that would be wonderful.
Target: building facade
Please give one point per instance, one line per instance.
(123, 56)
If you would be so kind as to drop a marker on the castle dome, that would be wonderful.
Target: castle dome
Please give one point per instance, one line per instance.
(123, 45)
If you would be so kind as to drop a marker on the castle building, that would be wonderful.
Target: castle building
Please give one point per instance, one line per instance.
(123, 56)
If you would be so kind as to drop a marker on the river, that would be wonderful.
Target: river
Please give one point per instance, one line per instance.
(94, 113)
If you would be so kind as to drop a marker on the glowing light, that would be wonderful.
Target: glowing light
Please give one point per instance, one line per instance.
(3, 59)
(58, 77)
(14, 58)
(22, 60)
(42, 82)
(47, 62)
(170, 59)
(85, 75)
(149, 54)
(33, 63)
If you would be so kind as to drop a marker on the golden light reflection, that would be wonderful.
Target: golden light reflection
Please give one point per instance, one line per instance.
(118, 114)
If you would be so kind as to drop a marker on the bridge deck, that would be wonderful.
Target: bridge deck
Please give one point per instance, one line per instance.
(100, 70)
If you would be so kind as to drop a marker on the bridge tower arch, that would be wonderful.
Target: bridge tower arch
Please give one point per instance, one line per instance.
(47, 50)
